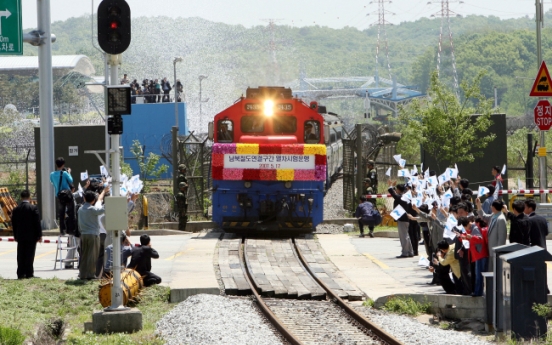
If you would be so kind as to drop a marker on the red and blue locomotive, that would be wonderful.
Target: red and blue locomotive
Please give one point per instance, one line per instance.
(270, 162)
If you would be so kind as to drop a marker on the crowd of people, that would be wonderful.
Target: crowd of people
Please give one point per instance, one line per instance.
(479, 227)
(81, 217)
(153, 90)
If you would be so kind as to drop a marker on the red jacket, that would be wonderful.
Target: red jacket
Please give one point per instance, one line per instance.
(478, 245)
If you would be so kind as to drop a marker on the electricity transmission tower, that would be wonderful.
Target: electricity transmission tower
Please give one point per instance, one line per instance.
(272, 49)
(381, 23)
(445, 13)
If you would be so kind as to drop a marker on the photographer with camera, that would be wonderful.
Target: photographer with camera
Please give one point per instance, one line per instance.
(63, 189)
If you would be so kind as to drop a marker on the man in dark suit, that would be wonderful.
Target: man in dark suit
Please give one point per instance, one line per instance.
(26, 232)
(538, 226)
(141, 261)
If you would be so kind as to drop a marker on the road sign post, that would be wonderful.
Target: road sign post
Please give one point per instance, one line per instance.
(11, 30)
(542, 87)
(543, 115)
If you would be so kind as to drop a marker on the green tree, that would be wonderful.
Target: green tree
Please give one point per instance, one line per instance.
(444, 124)
(148, 165)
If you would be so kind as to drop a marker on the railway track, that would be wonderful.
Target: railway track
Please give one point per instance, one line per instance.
(305, 322)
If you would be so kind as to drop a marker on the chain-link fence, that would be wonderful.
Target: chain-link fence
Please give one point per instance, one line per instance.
(18, 169)
(195, 153)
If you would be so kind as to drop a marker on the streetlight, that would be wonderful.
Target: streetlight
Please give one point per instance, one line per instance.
(176, 59)
(201, 77)
(175, 133)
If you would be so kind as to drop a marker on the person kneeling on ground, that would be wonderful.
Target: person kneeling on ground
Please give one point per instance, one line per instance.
(126, 252)
(365, 215)
(141, 261)
(445, 257)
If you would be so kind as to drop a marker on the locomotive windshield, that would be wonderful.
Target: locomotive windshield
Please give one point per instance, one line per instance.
(252, 124)
(312, 132)
(225, 131)
(284, 124)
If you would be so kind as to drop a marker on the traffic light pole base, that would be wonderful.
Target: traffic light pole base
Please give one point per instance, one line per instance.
(126, 320)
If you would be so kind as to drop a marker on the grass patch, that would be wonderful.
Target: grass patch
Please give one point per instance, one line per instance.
(406, 306)
(26, 305)
(356, 231)
(368, 303)
(11, 336)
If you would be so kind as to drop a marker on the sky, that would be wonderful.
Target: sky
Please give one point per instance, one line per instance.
(332, 13)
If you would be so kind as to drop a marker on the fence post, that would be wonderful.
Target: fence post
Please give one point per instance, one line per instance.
(27, 170)
(360, 164)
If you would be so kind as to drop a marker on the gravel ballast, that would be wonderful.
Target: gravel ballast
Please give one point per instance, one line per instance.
(210, 319)
(333, 201)
(413, 332)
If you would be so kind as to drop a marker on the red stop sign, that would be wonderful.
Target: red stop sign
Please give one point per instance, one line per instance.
(543, 115)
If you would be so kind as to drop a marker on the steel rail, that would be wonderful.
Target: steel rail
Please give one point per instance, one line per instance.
(376, 330)
(276, 322)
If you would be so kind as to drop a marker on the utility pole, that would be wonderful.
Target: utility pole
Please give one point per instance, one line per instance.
(46, 99)
(539, 18)
(201, 101)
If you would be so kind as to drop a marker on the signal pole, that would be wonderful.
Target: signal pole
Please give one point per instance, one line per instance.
(46, 114)
(542, 138)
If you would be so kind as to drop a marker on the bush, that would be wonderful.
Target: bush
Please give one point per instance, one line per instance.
(10, 336)
(408, 306)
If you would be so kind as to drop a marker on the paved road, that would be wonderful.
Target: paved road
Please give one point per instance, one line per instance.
(175, 252)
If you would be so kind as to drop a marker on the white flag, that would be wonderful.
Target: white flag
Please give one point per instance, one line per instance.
(407, 196)
(503, 170)
(397, 158)
(402, 163)
(443, 178)
(398, 212)
(481, 191)
(103, 171)
(466, 244)
(81, 191)
(433, 181)
(426, 173)
(414, 170)
(403, 173)
(84, 176)
(448, 194)
(388, 172)
(451, 173)
(424, 262)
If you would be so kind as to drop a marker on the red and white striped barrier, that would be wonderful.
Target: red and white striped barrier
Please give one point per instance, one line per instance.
(11, 239)
(500, 192)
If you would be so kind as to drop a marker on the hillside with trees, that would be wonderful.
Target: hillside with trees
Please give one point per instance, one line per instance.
(235, 57)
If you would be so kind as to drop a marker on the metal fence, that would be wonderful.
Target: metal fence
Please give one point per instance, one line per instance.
(18, 169)
(195, 153)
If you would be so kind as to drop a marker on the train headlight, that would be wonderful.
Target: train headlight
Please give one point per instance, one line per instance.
(247, 184)
(268, 108)
(287, 184)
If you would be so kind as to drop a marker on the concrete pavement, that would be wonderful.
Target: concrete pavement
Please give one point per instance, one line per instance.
(185, 263)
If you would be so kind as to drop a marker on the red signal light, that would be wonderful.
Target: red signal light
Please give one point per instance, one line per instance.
(114, 25)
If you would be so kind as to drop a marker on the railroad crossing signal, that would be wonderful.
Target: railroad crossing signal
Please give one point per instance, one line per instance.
(114, 26)
(542, 87)
(543, 115)
(11, 31)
